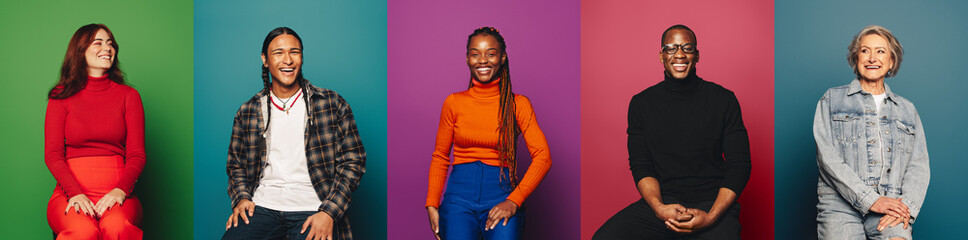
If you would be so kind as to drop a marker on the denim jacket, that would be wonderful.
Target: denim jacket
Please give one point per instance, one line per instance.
(852, 138)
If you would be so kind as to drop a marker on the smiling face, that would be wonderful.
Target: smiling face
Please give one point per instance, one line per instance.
(284, 59)
(679, 63)
(484, 58)
(100, 54)
(874, 58)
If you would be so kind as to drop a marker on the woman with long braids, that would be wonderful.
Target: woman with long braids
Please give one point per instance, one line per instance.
(94, 142)
(484, 195)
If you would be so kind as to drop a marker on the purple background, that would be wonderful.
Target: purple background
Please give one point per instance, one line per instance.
(426, 62)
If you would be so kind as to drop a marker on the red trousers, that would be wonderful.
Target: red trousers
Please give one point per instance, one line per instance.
(97, 176)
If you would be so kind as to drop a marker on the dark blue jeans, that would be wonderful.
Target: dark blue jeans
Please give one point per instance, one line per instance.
(472, 190)
(270, 224)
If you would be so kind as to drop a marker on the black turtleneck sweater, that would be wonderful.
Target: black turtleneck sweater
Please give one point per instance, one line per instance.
(689, 135)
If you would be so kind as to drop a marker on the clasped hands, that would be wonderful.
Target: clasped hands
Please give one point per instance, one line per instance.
(684, 220)
(81, 203)
(895, 212)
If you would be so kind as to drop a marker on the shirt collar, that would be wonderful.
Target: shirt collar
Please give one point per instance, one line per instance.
(855, 87)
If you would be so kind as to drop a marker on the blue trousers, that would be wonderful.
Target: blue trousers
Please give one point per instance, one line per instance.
(472, 190)
(270, 224)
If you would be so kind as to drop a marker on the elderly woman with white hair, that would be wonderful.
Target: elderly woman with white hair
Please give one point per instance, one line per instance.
(871, 150)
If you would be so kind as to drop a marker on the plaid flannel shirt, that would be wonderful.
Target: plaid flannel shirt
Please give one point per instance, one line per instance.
(334, 152)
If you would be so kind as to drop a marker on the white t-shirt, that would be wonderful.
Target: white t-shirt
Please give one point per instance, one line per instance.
(878, 102)
(285, 184)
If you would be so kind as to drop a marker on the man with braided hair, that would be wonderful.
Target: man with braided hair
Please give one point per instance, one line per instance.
(295, 157)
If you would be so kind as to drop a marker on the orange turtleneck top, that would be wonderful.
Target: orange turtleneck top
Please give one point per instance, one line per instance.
(469, 123)
(103, 119)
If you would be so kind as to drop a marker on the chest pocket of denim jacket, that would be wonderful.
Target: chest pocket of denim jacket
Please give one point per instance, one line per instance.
(904, 140)
(844, 127)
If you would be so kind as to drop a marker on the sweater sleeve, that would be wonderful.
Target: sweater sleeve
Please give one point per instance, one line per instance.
(134, 146)
(736, 147)
(640, 159)
(440, 161)
(55, 153)
(537, 145)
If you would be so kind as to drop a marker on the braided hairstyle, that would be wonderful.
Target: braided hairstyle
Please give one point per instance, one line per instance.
(508, 130)
(266, 77)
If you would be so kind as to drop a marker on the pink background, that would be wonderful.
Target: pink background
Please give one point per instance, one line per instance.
(619, 49)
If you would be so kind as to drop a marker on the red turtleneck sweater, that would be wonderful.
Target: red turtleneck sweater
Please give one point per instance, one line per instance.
(103, 119)
(469, 123)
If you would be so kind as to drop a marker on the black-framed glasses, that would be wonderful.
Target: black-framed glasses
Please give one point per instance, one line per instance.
(687, 48)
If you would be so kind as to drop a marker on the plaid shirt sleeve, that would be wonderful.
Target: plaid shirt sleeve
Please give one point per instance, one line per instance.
(350, 162)
(235, 166)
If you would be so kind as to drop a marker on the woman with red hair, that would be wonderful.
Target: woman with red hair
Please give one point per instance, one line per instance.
(94, 142)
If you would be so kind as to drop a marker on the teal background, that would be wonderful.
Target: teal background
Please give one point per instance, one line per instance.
(155, 41)
(811, 48)
(344, 50)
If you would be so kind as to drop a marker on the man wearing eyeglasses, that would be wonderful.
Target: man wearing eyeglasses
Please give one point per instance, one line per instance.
(688, 152)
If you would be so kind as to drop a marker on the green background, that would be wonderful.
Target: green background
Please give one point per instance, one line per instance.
(155, 41)
(345, 49)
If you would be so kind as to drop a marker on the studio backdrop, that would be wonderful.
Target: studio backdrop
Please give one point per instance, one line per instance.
(620, 57)
(811, 56)
(427, 62)
(344, 46)
(155, 53)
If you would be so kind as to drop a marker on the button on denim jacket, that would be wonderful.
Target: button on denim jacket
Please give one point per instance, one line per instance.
(853, 138)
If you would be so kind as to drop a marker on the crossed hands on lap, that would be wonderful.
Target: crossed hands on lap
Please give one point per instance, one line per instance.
(895, 212)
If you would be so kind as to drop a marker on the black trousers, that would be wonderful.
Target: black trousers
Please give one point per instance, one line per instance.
(638, 221)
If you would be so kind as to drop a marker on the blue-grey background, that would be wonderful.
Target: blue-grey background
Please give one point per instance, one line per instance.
(811, 47)
(345, 50)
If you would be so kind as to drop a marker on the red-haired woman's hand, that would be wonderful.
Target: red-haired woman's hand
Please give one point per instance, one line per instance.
(115, 196)
(80, 203)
